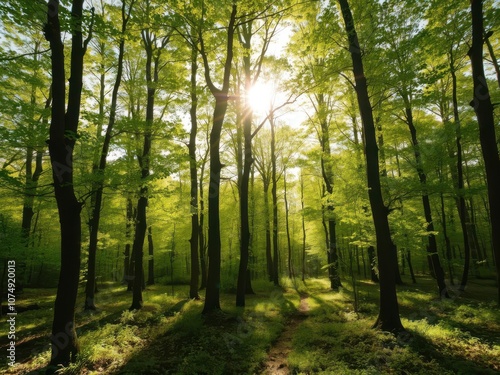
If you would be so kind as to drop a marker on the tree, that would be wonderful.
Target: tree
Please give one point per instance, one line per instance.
(388, 318)
(484, 112)
(212, 299)
(63, 135)
(154, 46)
(403, 40)
(98, 169)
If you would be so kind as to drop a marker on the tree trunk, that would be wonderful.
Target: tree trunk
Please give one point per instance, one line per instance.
(287, 224)
(63, 132)
(303, 227)
(152, 68)
(100, 166)
(212, 298)
(151, 259)
(432, 251)
(388, 318)
(269, 257)
(484, 112)
(274, 196)
(126, 255)
(201, 228)
(193, 172)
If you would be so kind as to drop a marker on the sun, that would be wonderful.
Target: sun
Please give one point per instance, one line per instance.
(261, 96)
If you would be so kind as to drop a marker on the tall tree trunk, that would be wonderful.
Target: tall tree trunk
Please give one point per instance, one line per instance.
(201, 228)
(267, 222)
(388, 318)
(287, 224)
(484, 112)
(152, 68)
(274, 197)
(151, 259)
(244, 180)
(100, 165)
(432, 250)
(193, 172)
(63, 131)
(303, 227)
(212, 298)
(126, 255)
(327, 173)
(458, 176)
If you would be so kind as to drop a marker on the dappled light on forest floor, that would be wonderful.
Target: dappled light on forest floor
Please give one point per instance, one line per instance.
(309, 329)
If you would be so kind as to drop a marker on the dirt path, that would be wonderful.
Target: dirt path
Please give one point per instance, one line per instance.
(277, 360)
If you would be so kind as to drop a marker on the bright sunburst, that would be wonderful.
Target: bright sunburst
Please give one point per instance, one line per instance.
(261, 96)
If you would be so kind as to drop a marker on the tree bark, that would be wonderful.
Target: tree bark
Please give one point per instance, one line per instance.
(274, 197)
(98, 169)
(151, 259)
(62, 138)
(432, 251)
(327, 173)
(484, 113)
(388, 318)
(212, 298)
(193, 172)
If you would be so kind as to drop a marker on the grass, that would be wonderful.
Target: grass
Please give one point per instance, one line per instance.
(170, 336)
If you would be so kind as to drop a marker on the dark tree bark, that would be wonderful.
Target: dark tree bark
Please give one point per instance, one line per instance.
(304, 234)
(153, 53)
(287, 225)
(193, 172)
(201, 228)
(274, 196)
(432, 250)
(212, 298)
(244, 179)
(100, 166)
(388, 318)
(484, 113)
(267, 220)
(327, 173)
(151, 259)
(63, 135)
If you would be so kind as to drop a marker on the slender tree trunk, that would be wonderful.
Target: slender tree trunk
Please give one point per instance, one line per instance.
(201, 228)
(303, 227)
(100, 166)
(151, 259)
(287, 223)
(432, 250)
(269, 257)
(193, 171)
(62, 137)
(152, 68)
(388, 319)
(212, 298)
(446, 239)
(274, 196)
(484, 112)
(410, 266)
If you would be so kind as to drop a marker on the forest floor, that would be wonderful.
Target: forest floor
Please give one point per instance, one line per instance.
(277, 361)
(301, 328)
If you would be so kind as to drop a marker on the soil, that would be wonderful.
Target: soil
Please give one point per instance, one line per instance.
(277, 360)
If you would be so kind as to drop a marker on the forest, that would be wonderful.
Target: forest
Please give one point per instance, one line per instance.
(250, 187)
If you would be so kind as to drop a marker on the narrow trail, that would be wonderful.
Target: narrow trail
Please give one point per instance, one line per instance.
(277, 360)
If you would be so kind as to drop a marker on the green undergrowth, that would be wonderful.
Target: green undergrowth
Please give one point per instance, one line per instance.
(169, 335)
(459, 335)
